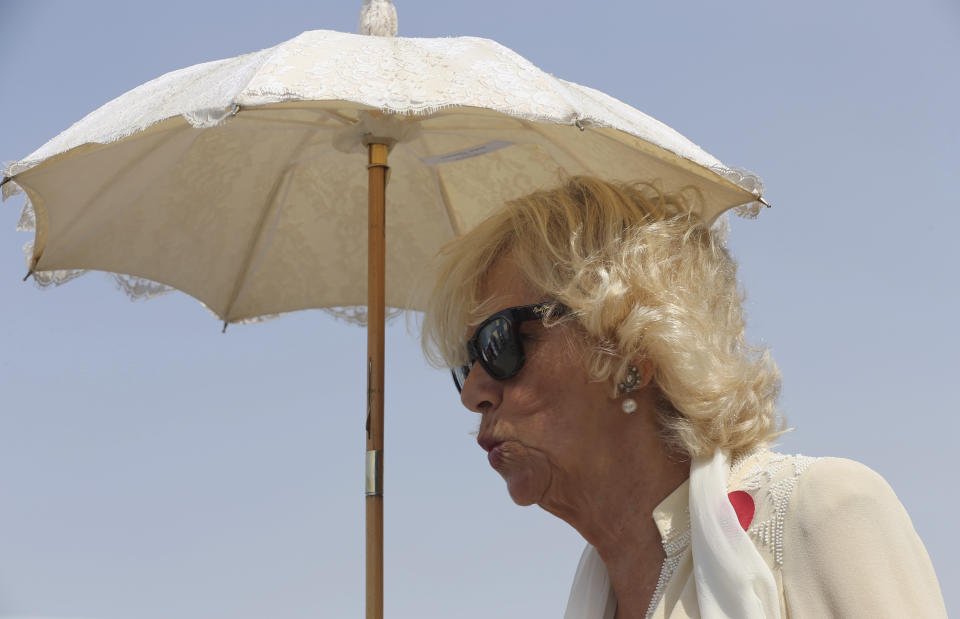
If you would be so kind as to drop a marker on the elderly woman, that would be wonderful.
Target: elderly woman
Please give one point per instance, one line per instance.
(598, 330)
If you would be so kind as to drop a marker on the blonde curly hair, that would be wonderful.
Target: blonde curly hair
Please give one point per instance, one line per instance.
(645, 279)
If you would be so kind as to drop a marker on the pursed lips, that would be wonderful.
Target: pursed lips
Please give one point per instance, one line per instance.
(493, 448)
(487, 442)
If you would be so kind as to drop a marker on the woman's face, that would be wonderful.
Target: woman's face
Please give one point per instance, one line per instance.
(542, 426)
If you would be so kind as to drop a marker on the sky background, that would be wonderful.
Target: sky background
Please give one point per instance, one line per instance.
(151, 467)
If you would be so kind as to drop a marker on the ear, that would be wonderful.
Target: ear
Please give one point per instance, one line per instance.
(645, 366)
(644, 376)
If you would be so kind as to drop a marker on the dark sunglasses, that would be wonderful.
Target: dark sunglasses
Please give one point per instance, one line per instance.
(496, 342)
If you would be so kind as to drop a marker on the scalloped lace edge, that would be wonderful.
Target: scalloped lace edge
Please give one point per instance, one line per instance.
(748, 181)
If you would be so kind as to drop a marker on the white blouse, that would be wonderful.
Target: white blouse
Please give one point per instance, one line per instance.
(834, 535)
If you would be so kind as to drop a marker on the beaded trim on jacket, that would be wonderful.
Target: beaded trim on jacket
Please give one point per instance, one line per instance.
(771, 478)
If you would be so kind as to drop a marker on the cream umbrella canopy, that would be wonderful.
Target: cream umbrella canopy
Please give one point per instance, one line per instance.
(234, 180)
(243, 180)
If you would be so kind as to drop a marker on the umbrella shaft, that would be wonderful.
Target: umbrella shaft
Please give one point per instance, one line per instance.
(376, 301)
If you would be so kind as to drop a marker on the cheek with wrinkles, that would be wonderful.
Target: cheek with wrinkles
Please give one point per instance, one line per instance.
(512, 452)
(513, 456)
(526, 472)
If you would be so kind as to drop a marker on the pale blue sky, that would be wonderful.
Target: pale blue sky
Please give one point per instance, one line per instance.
(151, 467)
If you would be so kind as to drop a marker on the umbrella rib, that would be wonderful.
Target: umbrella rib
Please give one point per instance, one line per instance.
(620, 144)
(282, 121)
(535, 129)
(243, 275)
(508, 123)
(455, 224)
(287, 121)
(341, 118)
(471, 110)
(102, 189)
(681, 162)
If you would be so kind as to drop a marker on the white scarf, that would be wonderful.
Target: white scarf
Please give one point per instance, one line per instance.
(732, 579)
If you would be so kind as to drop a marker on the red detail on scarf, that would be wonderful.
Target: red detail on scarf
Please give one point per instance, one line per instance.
(742, 504)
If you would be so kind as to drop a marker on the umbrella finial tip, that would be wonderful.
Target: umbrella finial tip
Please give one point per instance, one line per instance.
(27, 276)
(378, 18)
(224, 330)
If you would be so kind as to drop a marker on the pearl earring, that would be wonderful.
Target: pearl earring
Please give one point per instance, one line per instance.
(628, 384)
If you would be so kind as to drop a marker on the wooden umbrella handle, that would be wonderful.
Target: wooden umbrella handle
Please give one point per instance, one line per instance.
(376, 300)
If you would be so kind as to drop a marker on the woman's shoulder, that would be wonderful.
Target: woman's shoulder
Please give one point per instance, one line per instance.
(831, 487)
(835, 530)
(763, 468)
(814, 495)
(779, 474)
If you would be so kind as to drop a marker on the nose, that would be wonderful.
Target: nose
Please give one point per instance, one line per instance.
(481, 393)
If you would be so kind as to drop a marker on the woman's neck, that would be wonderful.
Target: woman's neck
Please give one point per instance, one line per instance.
(610, 501)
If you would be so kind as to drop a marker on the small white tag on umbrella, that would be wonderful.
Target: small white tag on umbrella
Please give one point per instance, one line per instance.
(467, 153)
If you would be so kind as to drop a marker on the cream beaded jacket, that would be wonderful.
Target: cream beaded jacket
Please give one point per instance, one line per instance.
(835, 537)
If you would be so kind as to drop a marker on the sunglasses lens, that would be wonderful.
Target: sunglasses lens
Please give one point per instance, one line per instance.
(496, 343)
(498, 349)
(460, 376)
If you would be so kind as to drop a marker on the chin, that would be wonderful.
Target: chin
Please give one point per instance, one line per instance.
(523, 488)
